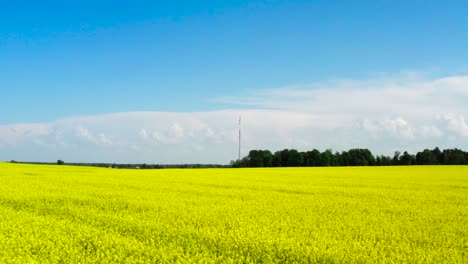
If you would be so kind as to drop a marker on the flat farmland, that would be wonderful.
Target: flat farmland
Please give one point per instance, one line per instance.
(65, 214)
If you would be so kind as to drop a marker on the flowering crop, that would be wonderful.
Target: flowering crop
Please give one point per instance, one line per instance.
(62, 214)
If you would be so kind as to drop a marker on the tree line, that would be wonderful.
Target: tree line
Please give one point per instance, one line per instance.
(313, 158)
(352, 157)
(142, 166)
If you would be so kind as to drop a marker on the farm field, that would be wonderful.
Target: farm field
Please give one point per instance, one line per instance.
(62, 214)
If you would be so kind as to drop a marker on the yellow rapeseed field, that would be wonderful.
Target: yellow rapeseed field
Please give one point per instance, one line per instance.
(62, 214)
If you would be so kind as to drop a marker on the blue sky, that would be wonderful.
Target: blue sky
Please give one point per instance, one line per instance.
(59, 60)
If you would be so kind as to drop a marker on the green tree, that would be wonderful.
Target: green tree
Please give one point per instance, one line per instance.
(396, 158)
(345, 158)
(426, 157)
(255, 158)
(326, 158)
(267, 158)
(438, 154)
(453, 157)
(295, 158)
(361, 157)
(312, 158)
(407, 159)
(277, 159)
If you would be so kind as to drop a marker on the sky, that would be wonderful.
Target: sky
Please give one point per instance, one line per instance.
(165, 81)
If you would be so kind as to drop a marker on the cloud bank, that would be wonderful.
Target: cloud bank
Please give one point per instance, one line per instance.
(382, 114)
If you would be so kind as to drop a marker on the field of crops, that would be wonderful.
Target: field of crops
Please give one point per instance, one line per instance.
(53, 214)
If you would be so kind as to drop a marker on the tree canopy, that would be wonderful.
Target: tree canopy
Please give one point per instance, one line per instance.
(352, 157)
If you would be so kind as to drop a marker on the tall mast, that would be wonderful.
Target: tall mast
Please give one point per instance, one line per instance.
(240, 137)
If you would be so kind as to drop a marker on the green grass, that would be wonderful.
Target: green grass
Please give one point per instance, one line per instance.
(61, 214)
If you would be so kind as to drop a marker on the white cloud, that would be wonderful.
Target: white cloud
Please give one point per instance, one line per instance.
(383, 114)
(430, 132)
(20, 132)
(103, 139)
(143, 134)
(157, 137)
(84, 133)
(169, 137)
(456, 123)
(398, 127)
(100, 139)
(410, 97)
(176, 132)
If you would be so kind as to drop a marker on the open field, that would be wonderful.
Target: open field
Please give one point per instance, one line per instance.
(56, 214)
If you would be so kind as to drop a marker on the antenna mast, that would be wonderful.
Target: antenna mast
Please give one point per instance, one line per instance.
(240, 137)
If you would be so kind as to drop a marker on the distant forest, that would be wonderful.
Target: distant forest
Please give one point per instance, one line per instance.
(142, 166)
(313, 158)
(352, 157)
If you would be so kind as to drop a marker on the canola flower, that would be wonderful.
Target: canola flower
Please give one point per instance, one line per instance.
(62, 214)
